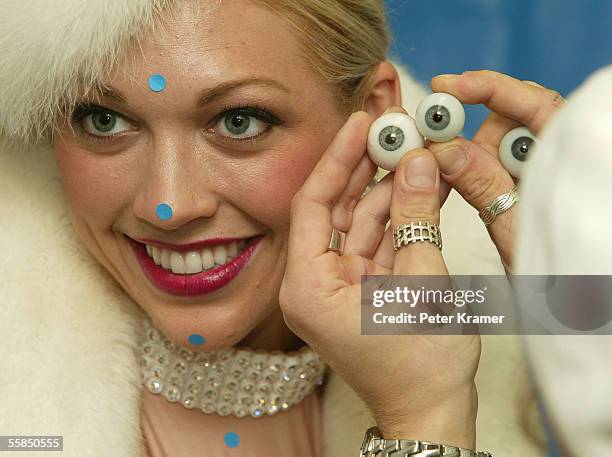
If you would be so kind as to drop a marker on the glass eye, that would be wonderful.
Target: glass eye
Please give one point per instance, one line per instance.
(440, 117)
(515, 148)
(390, 137)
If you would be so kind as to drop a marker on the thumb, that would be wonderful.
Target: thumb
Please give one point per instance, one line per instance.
(416, 198)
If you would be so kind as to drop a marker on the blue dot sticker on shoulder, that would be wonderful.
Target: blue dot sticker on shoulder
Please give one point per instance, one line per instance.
(196, 339)
(157, 82)
(163, 211)
(231, 439)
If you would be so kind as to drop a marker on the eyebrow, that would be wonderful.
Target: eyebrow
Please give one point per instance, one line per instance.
(208, 95)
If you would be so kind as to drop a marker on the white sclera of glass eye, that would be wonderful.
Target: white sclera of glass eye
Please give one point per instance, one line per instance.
(390, 137)
(440, 117)
(515, 148)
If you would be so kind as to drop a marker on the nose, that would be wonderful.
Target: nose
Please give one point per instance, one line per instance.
(174, 189)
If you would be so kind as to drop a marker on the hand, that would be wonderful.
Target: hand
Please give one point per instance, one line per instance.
(399, 377)
(472, 168)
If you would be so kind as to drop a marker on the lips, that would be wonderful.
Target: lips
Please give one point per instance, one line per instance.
(196, 284)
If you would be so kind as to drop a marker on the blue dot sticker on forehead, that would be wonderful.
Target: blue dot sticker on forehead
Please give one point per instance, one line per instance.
(163, 211)
(157, 82)
(196, 339)
(231, 439)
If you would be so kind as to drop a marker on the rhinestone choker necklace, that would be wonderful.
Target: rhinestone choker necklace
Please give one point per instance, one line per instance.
(238, 381)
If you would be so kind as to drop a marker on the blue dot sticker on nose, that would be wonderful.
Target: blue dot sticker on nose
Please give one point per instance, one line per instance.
(163, 211)
(157, 82)
(196, 339)
(231, 439)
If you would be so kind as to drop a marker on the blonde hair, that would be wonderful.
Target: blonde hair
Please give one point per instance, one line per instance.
(343, 40)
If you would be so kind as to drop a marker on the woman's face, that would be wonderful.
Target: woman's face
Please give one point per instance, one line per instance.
(237, 129)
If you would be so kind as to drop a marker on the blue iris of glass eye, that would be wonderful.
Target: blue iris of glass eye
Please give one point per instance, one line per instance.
(157, 82)
(163, 211)
(515, 149)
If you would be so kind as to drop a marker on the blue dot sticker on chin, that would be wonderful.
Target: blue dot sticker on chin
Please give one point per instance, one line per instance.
(196, 339)
(157, 83)
(231, 439)
(163, 211)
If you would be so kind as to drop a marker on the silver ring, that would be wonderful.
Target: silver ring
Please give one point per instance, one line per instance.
(336, 243)
(405, 234)
(500, 205)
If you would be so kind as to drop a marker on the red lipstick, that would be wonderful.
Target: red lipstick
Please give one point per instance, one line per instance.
(190, 285)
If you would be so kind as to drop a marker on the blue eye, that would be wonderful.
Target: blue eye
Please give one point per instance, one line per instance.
(99, 122)
(241, 126)
(244, 123)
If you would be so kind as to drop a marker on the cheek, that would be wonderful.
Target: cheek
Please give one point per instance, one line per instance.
(95, 190)
(274, 180)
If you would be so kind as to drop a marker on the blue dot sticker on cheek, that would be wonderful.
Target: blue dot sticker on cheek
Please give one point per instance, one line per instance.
(163, 211)
(231, 439)
(196, 339)
(157, 82)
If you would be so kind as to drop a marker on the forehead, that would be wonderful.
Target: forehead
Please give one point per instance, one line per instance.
(203, 43)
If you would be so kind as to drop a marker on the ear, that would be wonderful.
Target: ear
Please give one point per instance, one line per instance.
(385, 90)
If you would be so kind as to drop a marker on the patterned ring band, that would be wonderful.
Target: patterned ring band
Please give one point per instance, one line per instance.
(405, 234)
(500, 205)
(336, 243)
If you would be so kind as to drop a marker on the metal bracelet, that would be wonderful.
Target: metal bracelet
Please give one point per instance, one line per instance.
(374, 445)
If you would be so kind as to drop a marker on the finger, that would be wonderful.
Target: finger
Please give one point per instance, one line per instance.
(369, 220)
(385, 254)
(527, 104)
(479, 178)
(416, 198)
(342, 212)
(444, 187)
(311, 206)
(369, 216)
(492, 131)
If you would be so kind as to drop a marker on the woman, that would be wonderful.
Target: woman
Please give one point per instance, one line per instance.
(226, 123)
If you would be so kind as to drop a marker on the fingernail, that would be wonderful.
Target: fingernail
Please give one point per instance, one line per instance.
(447, 77)
(421, 171)
(450, 159)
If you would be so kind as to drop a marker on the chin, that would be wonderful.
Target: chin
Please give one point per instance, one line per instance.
(219, 326)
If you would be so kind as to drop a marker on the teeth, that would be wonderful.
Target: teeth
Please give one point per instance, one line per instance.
(220, 254)
(208, 261)
(156, 255)
(193, 261)
(232, 249)
(165, 259)
(177, 263)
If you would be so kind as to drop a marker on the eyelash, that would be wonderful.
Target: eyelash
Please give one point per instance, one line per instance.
(254, 110)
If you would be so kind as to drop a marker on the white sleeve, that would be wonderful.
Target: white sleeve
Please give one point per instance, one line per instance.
(565, 227)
